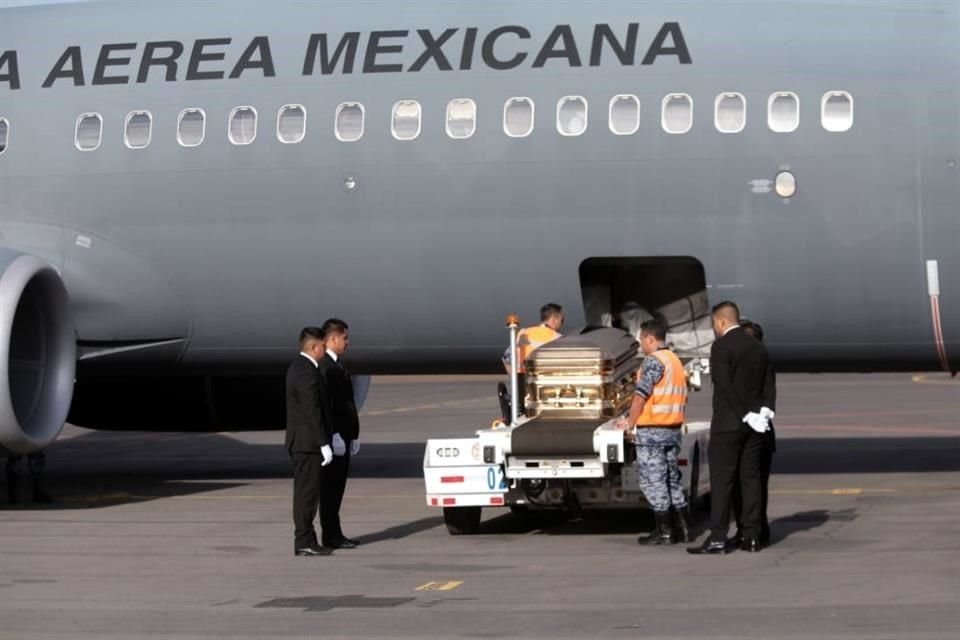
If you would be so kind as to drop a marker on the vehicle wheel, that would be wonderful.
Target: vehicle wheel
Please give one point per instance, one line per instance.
(462, 520)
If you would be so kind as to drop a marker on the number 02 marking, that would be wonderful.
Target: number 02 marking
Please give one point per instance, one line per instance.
(495, 478)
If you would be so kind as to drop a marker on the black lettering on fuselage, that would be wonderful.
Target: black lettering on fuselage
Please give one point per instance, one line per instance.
(261, 46)
(9, 69)
(466, 53)
(489, 55)
(151, 59)
(105, 60)
(347, 47)
(374, 49)
(658, 47)
(567, 50)
(383, 54)
(434, 50)
(198, 56)
(74, 71)
(626, 53)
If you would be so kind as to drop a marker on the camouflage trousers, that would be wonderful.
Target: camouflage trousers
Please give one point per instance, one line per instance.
(35, 464)
(659, 472)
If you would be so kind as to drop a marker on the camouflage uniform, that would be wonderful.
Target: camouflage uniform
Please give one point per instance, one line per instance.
(657, 451)
(658, 469)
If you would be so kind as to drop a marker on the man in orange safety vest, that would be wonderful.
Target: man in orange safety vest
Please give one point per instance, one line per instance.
(531, 339)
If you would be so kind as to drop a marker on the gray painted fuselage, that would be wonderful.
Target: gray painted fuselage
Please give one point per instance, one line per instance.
(227, 251)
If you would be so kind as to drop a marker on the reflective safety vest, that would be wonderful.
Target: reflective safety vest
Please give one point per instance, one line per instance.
(531, 339)
(665, 406)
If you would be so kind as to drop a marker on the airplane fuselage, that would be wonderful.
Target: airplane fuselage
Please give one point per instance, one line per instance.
(215, 255)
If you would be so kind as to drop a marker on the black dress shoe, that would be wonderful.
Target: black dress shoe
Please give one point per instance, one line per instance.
(710, 547)
(750, 545)
(343, 543)
(314, 550)
(737, 537)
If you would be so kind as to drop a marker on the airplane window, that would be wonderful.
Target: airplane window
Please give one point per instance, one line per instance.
(291, 123)
(624, 115)
(572, 115)
(89, 131)
(730, 112)
(4, 134)
(243, 125)
(461, 118)
(191, 127)
(138, 129)
(836, 111)
(783, 112)
(677, 113)
(349, 122)
(518, 117)
(405, 124)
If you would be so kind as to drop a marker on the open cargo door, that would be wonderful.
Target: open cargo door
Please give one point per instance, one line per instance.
(625, 292)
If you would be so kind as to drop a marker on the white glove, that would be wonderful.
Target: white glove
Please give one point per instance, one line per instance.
(327, 454)
(339, 446)
(354, 447)
(767, 413)
(757, 422)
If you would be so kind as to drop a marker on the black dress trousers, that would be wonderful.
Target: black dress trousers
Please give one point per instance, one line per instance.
(306, 497)
(333, 483)
(730, 452)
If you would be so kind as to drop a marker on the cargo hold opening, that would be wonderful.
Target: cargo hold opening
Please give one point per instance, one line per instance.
(624, 292)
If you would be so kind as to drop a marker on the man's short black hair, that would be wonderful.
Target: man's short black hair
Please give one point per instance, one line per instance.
(654, 327)
(310, 333)
(549, 310)
(728, 306)
(331, 326)
(753, 329)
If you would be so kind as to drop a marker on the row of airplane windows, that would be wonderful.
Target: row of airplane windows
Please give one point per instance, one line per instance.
(676, 117)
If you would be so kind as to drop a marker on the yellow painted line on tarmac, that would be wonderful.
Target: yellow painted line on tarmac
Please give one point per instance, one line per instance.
(425, 407)
(854, 491)
(846, 492)
(440, 586)
(107, 497)
(944, 382)
(843, 491)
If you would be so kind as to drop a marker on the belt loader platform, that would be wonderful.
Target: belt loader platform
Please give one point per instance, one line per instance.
(569, 451)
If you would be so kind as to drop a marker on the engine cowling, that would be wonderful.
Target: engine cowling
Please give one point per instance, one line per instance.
(38, 353)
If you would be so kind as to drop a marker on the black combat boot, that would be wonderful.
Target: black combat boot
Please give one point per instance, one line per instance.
(662, 533)
(681, 525)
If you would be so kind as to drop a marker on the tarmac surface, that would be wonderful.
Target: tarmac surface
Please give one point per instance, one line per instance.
(189, 536)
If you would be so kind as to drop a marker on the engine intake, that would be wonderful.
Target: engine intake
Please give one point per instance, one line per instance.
(38, 353)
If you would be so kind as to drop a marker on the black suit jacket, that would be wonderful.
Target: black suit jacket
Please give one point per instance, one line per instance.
(343, 408)
(770, 388)
(770, 401)
(308, 421)
(739, 370)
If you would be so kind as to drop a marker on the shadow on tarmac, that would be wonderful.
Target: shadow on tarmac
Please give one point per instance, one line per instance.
(106, 468)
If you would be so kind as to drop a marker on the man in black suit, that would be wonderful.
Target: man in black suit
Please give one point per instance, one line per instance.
(307, 439)
(345, 430)
(754, 330)
(738, 369)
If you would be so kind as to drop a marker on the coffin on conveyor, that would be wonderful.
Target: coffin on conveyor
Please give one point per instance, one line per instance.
(575, 384)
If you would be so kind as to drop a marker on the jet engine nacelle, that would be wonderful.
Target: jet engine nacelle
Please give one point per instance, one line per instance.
(38, 353)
